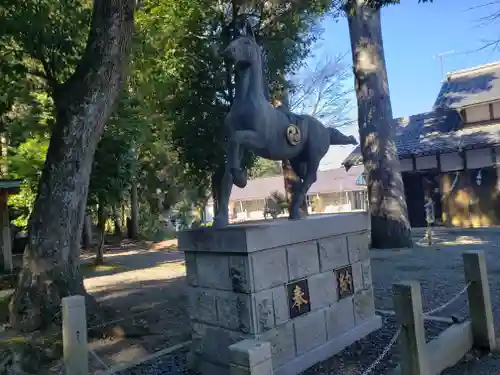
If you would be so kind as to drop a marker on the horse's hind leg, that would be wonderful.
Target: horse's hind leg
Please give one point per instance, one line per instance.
(301, 188)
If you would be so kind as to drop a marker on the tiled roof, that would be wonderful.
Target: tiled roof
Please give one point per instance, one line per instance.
(416, 135)
(437, 131)
(470, 86)
(329, 181)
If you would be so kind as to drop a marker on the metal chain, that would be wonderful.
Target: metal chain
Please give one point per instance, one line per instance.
(442, 307)
(384, 353)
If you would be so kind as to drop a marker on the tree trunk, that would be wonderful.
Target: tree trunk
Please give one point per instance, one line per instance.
(101, 226)
(83, 105)
(216, 182)
(116, 222)
(290, 178)
(134, 212)
(289, 175)
(87, 232)
(390, 227)
(4, 146)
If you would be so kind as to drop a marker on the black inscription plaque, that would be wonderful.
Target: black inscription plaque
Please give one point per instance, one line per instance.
(298, 298)
(345, 283)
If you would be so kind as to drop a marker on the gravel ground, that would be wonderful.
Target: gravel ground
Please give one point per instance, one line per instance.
(172, 364)
(440, 273)
(356, 359)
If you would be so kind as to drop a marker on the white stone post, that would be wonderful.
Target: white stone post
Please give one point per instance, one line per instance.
(74, 330)
(250, 357)
(481, 315)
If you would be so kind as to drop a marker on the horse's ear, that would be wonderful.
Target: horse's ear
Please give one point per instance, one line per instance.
(249, 30)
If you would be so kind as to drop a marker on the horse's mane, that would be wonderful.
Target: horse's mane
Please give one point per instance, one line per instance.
(293, 118)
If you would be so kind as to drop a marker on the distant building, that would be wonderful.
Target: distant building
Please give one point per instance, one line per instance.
(334, 191)
(452, 154)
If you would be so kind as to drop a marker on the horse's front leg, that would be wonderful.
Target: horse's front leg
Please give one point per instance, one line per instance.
(222, 217)
(248, 139)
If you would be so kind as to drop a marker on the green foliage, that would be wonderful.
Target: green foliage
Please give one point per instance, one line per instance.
(276, 204)
(26, 163)
(43, 38)
(194, 79)
(265, 168)
(166, 131)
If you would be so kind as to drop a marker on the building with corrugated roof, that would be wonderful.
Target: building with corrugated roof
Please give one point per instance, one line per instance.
(452, 153)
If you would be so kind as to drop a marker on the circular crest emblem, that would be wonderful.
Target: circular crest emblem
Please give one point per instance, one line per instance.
(293, 134)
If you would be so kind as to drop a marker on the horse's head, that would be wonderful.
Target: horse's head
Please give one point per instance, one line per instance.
(244, 50)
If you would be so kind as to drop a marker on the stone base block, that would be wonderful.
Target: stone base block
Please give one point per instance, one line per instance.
(304, 286)
(328, 349)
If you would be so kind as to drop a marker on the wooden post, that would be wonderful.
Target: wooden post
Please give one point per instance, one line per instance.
(6, 240)
(74, 330)
(409, 314)
(481, 315)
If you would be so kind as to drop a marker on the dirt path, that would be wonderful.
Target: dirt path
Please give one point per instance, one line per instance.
(146, 284)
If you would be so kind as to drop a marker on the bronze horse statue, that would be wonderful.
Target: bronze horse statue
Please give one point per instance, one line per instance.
(277, 134)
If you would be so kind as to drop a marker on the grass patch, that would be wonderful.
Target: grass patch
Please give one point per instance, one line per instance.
(90, 268)
(4, 308)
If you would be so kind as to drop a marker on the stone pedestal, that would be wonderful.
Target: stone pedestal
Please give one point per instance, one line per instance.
(304, 286)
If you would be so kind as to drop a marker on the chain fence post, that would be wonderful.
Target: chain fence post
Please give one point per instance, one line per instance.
(481, 314)
(74, 332)
(409, 315)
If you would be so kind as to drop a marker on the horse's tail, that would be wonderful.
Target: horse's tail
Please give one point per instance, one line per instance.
(338, 138)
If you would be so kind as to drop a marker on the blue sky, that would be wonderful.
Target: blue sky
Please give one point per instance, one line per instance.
(413, 33)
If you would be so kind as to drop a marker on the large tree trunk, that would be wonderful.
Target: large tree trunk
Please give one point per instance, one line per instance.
(289, 176)
(83, 105)
(290, 179)
(389, 218)
(87, 231)
(134, 211)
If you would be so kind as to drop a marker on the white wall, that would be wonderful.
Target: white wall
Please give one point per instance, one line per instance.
(406, 165)
(426, 162)
(479, 158)
(496, 110)
(451, 162)
(478, 113)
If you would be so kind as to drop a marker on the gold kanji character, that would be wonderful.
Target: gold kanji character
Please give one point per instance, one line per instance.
(298, 298)
(345, 281)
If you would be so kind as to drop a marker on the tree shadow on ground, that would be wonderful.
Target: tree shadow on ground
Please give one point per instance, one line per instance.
(133, 259)
(149, 316)
(143, 309)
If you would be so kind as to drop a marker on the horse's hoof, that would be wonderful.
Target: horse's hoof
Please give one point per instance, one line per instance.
(239, 178)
